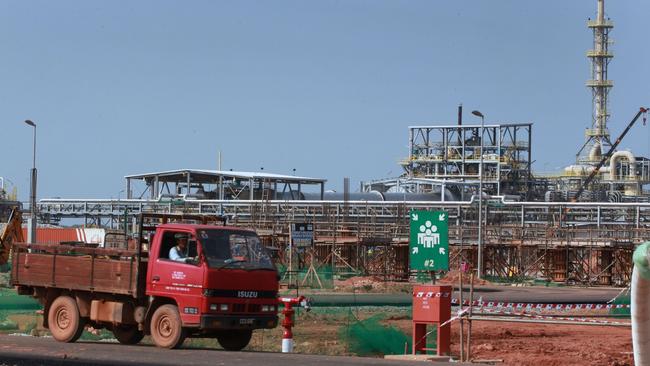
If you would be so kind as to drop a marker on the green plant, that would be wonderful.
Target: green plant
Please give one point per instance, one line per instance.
(8, 325)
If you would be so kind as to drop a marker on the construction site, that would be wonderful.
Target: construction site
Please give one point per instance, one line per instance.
(507, 224)
(578, 226)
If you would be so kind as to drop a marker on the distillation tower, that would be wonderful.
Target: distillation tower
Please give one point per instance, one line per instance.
(625, 174)
(597, 137)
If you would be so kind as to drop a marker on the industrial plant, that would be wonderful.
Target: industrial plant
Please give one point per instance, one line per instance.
(577, 226)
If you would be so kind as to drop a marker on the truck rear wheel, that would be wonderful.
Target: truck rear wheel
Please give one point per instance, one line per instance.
(64, 321)
(166, 327)
(127, 334)
(234, 340)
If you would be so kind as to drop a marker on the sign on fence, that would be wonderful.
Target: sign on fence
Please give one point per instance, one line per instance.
(302, 235)
(429, 242)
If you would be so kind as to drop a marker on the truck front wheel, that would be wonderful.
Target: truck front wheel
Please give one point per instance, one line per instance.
(166, 327)
(64, 321)
(127, 334)
(234, 340)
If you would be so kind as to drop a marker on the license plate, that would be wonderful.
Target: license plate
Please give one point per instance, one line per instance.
(246, 321)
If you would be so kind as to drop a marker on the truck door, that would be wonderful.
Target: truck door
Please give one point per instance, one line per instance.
(179, 279)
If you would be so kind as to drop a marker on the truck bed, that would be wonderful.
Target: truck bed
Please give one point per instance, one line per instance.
(76, 268)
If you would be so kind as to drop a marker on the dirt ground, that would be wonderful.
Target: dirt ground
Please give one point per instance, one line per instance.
(372, 284)
(319, 332)
(525, 343)
(509, 343)
(550, 345)
(512, 343)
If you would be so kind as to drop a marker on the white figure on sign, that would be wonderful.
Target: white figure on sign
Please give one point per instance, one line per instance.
(428, 237)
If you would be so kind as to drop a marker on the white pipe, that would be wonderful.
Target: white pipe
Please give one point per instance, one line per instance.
(614, 159)
(502, 199)
(601, 11)
(641, 306)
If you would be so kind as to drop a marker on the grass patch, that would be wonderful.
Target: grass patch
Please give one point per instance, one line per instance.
(8, 325)
(101, 335)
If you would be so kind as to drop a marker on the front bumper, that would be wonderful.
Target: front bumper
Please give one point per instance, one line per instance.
(239, 321)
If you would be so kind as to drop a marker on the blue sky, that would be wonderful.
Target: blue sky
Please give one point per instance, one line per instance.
(328, 88)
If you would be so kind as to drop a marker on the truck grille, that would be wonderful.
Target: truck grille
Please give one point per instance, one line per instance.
(246, 308)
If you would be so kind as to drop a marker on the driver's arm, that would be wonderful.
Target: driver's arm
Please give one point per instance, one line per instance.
(173, 255)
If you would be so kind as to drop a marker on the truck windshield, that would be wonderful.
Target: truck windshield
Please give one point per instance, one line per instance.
(234, 249)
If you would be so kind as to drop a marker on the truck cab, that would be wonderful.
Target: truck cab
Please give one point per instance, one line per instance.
(224, 285)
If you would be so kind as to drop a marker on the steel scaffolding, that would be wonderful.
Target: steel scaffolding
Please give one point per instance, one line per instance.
(586, 243)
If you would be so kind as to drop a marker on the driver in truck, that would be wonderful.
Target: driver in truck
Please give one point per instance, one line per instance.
(179, 252)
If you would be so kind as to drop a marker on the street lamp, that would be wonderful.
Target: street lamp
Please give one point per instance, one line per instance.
(32, 191)
(480, 199)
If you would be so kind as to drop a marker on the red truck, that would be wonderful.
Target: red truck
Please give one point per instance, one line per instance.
(226, 288)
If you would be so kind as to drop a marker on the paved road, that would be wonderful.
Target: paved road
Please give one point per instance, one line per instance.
(544, 295)
(32, 351)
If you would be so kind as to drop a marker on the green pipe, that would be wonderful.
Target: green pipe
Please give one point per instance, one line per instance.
(640, 258)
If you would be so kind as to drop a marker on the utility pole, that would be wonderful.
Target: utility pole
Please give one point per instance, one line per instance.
(32, 190)
(480, 199)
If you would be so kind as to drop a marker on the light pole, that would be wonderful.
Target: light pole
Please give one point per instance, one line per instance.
(480, 199)
(32, 191)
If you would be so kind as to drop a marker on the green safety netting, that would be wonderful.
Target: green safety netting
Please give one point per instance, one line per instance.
(369, 337)
(312, 277)
(621, 299)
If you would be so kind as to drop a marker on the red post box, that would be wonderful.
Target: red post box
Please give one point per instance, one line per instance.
(431, 306)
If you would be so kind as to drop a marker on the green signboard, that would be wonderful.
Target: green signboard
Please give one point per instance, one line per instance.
(429, 242)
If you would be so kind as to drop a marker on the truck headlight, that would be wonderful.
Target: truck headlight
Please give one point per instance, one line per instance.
(223, 307)
(213, 307)
(266, 308)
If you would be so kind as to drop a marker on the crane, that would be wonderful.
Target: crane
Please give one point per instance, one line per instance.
(590, 178)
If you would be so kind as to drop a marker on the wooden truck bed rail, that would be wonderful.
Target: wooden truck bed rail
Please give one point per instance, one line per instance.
(112, 271)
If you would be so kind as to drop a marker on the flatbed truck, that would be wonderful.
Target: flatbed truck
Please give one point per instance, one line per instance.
(227, 287)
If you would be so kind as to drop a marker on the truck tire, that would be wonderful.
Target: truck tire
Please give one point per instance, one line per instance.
(166, 327)
(64, 321)
(127, 334)
(234, 340)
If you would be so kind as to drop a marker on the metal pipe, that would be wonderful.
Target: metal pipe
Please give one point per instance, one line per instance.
(462, 325)
(469, 325)
(502, 201)
(460, 123)
(601, 11)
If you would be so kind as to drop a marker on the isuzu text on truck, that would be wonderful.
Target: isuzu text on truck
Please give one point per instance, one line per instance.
(225, 288)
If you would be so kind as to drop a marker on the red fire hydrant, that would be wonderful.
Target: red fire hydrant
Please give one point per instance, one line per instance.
(287, 322)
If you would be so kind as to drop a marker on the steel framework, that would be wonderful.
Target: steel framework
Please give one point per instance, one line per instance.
(587, 243)
(451, 154)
